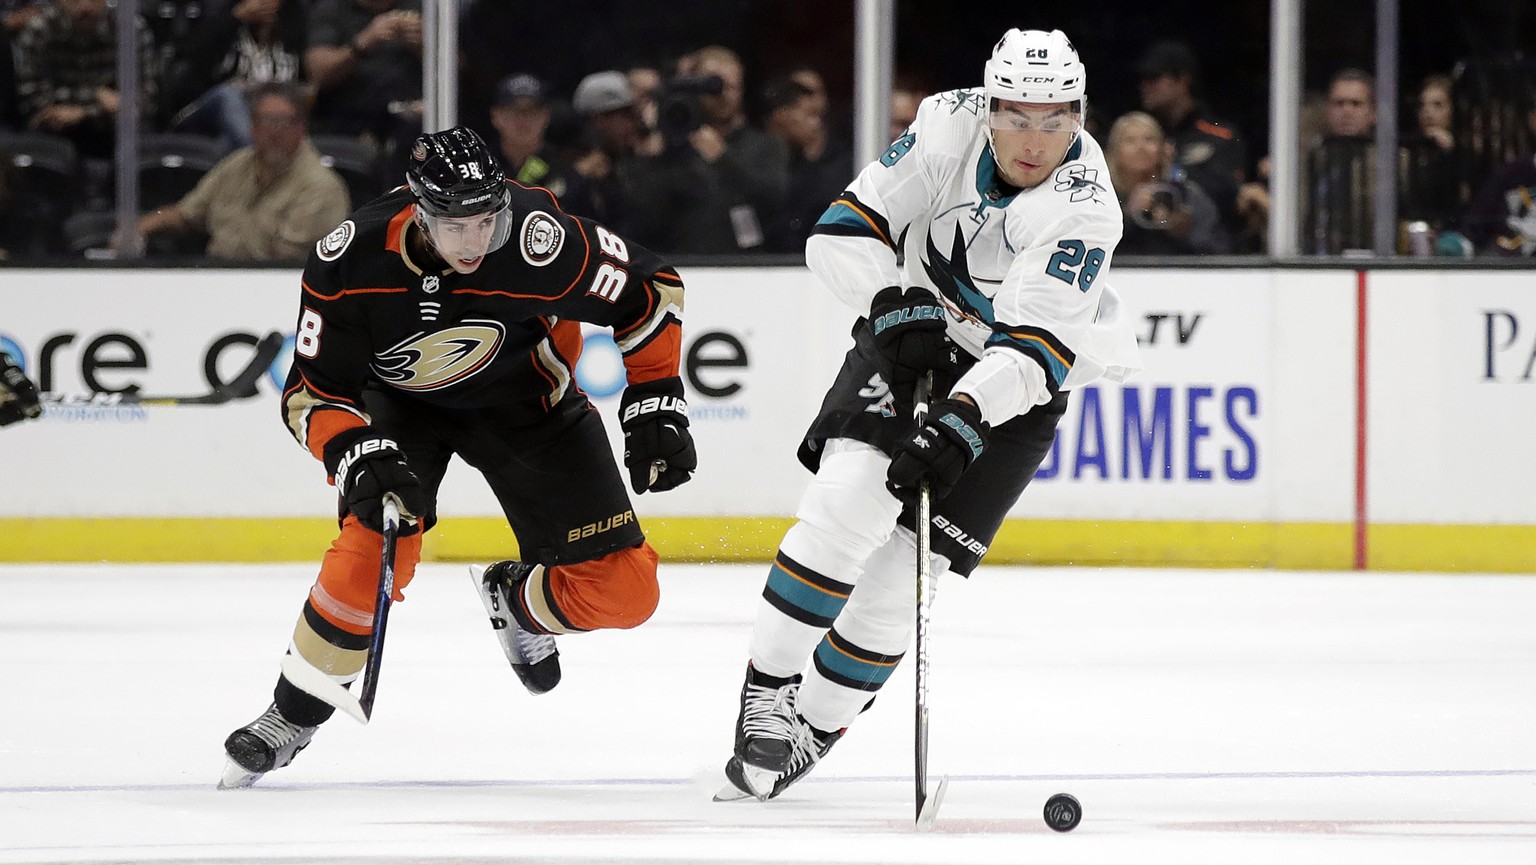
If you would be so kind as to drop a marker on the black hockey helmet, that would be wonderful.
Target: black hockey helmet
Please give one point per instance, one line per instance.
(454, 174)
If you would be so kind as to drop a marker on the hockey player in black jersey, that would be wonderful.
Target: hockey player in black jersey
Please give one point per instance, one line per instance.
(443, 320)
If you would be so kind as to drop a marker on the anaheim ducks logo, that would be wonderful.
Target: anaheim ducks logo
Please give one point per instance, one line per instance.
(432, 361)
(331, 246)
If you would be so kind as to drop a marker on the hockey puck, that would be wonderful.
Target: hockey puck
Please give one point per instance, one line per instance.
(1063, 812)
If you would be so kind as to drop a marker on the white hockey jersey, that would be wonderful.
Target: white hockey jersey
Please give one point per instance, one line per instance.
(1022, 275)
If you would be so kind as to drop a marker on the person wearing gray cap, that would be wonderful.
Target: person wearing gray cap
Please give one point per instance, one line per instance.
(614, 133)
(521, 112)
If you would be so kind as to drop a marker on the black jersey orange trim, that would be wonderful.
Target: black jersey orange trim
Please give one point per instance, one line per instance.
(553, 201)
(538, 364)
(658, 358)
(345, 291)
(566, 341)
(325, 423)
(586, 258)
(309, 386)
(651, 299)
(396, 231)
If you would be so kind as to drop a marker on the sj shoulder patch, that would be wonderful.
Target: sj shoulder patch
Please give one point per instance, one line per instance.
(541, 238)
(331, 246)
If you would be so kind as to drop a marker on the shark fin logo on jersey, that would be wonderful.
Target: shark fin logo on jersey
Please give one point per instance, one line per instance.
(952, 277)
(541, 238)
(1080, 182)
(958, 100)
(433, 361)
(331, 246)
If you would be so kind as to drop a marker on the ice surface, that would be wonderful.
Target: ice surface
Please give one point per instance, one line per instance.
(1200, 716)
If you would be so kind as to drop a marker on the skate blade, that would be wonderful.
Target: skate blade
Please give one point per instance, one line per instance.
(746, 782)
(731, 793)
(930, 810)
(237, 777)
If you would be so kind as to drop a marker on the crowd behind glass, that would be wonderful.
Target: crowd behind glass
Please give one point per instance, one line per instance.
(265, 120)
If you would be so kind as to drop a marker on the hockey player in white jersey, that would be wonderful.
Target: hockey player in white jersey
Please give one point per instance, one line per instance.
(976, 248)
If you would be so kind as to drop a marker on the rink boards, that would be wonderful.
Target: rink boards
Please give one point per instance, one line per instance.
(1244, 441)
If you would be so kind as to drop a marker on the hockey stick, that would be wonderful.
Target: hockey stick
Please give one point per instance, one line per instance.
(927, 807)
(381, 605)
(241, 386)
(311, 680)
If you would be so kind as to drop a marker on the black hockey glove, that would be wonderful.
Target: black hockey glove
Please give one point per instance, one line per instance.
(367, 466)
(18, 396)
(908, 327)
(939, 451)
(658, 449)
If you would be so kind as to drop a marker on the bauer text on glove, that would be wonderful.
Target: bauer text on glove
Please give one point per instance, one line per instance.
(939, 451)
(367, 466)
(909, 331)
(658, 449)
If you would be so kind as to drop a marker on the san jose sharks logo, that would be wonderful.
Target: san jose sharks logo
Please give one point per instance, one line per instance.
(431, 361)
(1080, 182)
(952, 276)
(962, 100)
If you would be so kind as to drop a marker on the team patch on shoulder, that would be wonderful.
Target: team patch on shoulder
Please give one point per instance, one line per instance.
(1080, 182)
(541, 238)
(331, 246)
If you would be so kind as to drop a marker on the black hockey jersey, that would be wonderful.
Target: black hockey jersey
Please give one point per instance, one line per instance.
(372, 312)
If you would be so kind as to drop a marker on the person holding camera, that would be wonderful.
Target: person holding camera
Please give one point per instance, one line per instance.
(717, 181)
(1164, 213)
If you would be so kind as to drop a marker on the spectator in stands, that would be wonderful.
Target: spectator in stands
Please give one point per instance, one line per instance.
(1164, 213)
(15, 14)
(1502, 218)
(268, 202)
(617, 138)
(235, 45)
(520, 113)
(645, 84)
(364, 60)
(1253, 197)
(1339, 175)
(718, 180)
(818, 171)
(1210, 149)
(1435, 185)
(66, 74)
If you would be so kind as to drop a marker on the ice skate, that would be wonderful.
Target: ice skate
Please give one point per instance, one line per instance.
(807, 749)
(533, 656)
(765, 726)
(267, 743)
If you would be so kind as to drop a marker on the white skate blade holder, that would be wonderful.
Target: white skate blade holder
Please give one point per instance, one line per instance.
(930, 809)
(756, 778)
(309, 679)
(237, 777)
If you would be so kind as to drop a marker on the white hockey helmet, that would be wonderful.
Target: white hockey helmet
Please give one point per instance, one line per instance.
(1035, 66)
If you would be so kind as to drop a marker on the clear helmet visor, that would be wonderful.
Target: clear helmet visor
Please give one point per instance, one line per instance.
(465, 238)
(1064, 119)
